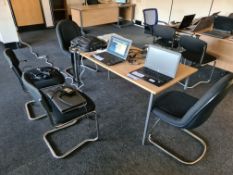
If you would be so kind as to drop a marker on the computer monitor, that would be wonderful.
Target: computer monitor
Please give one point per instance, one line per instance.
(121, 1)
(187, 21)
(162, 60)
(119, 46)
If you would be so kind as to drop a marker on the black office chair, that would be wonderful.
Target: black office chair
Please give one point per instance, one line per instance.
(54, 78)
(165, 36)
(62, 120)
(185, 112)
(195, 51)
(150, 19)
(66, 31)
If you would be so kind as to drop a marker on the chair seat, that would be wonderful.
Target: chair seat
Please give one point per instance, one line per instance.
(166, 43)
(54, 78)
(196, 57)
(174, 103)
(61, 118)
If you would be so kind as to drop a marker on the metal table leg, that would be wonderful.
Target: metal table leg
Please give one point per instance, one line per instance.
(147, 118)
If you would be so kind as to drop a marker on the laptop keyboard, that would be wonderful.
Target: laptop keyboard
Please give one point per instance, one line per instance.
(107, 58)
(217, 34)
(154, 77)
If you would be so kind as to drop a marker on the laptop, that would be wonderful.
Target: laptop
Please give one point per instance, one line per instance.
(117, 51)
(160, 66)
(186, 21)
(204, 23)
(223, 27)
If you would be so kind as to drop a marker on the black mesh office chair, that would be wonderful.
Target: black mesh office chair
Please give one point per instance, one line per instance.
(165, 36)
(185, 112)
(54, 77)
(61, 120)
(151, 19)
(195, 51)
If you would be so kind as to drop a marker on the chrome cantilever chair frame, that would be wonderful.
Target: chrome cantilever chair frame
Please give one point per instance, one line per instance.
(30, 104)
(68, 124)
(202, 65)
(175, 155)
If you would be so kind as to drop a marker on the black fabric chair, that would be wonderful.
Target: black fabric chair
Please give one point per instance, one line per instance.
(54, 78)
(165, 36)
(185, 112)
(61, 120)
(67, 30)
(195, 51)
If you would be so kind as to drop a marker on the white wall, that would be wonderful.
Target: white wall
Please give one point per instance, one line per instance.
(8, 31)
(182, 7)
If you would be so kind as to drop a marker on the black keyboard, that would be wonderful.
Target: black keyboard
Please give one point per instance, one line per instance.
(154, 77)
(218, 34)
(109, 59)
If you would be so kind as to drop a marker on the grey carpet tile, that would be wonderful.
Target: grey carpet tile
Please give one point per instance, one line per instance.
(121, 107)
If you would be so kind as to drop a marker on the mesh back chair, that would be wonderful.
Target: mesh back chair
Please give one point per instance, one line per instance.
(54, 78)
(61, 120)
(165, 36)
(195, 51)
(150, 19)
(187, 112)
(231, 15)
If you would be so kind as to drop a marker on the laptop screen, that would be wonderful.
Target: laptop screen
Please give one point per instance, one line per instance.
(119, 46)
(187, 21)
(162, 60)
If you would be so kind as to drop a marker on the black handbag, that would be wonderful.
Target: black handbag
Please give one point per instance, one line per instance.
(88, 43)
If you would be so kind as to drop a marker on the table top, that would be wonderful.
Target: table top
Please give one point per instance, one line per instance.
(100, 6)
(124, 68)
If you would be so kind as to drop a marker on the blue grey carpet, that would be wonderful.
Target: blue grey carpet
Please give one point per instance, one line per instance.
(122, 109)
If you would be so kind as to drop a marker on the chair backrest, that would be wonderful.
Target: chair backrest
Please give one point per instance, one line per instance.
(191, 44)
(204, 107)
(92, 2)
(13, 63)
(67, 30)
(150, 16)
(164, 32)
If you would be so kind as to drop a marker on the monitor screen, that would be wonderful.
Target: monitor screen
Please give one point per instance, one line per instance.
(119, 46)
(121, 1)
(162, 60)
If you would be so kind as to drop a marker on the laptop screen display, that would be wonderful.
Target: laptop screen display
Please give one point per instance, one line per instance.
(119, 46)
(162, 60)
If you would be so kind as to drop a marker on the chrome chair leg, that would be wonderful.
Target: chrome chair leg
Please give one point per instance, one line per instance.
(58, 128)
(204, 81)
(29, 105)
(174, 156)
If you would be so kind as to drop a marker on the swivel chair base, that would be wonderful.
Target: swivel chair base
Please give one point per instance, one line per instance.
(179, 159)
(29, 107)
(63, 126)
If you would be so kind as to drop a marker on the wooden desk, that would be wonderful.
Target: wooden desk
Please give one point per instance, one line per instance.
(92, 15)
(123, 69)
(222, 49)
